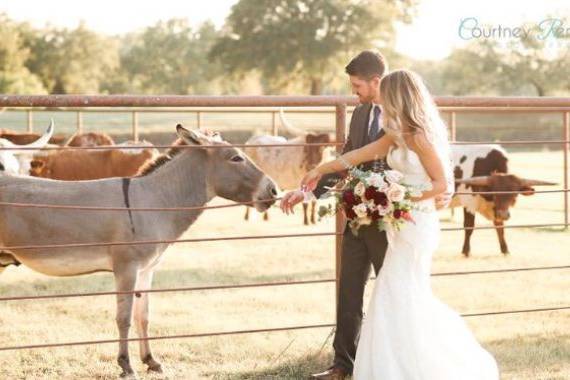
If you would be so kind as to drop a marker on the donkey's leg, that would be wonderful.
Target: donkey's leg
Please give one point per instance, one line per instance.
(141, 319)
(246, 217)
(305, 214)
(125, 279)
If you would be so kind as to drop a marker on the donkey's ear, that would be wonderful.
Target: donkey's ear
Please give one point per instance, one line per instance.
(191, 136)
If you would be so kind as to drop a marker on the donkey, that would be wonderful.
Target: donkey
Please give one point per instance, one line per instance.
(181, 177)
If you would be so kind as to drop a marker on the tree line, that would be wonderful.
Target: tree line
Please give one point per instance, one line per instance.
(265, 47)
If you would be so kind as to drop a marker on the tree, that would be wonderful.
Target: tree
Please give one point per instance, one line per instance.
(71, 61)
(15, 78)
(305, 40)
(169, 57)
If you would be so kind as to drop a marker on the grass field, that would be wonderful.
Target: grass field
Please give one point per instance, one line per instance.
(527, 346)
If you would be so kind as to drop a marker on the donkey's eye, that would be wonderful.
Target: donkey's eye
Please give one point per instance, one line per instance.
(237, 159)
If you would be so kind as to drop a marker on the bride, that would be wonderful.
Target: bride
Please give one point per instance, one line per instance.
(409, 334)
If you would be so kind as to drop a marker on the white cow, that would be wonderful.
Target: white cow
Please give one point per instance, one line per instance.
(288, 165)
(18, 162)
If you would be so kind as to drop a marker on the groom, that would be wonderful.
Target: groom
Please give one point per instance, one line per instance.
(369, 247)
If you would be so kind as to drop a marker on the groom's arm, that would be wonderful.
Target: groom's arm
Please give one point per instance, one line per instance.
(329, 180)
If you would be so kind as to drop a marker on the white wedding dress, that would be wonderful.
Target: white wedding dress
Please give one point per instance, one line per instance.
(408, 334)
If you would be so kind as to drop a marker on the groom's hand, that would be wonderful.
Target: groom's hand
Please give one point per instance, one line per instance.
(290, 200)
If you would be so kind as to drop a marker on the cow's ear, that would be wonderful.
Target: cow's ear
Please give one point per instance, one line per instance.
(527, 190)
(192, 137)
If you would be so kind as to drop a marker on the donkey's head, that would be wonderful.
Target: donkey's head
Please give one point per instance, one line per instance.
(230, 173)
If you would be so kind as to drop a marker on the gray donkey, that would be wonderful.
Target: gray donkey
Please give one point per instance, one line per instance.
(181, 177)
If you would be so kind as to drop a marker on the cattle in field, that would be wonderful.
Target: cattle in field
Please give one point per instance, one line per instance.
(288, 165)
(18, 162)
(77, 165)
(89, 139)
(484, 168)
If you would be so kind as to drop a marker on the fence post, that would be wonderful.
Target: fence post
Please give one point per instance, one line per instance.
(30, 121)
(79, 122)
(340, 220)
(135, 125)
(566, 134)
(453, 126)
(198, 119)
(274, 129)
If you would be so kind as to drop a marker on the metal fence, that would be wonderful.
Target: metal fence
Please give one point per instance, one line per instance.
(201, 104)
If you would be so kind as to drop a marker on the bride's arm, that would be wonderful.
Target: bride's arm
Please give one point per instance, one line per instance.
(431, 163)
(369, 152)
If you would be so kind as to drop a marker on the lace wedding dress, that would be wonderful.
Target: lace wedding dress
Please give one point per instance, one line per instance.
(408, 334)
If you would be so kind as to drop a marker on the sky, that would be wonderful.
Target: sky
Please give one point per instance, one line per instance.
(432, 35)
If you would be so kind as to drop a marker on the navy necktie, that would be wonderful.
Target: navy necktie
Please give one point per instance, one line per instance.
(374, 130)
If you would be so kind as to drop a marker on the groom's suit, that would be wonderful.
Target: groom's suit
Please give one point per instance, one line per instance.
(358, 252)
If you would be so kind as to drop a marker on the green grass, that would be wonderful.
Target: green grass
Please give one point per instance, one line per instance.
(527, 346)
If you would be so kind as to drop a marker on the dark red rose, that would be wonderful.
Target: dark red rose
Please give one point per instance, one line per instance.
(370, 192)
(348, 197)
(397, 214)
(375, 216)
(381, 199)
(350, 214)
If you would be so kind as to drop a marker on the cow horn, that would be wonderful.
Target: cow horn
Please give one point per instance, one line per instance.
(43, 140)
(288, 126)
(474, 181)
(536, 182)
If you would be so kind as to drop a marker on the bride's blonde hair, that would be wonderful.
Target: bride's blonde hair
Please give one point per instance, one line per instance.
(409, 108)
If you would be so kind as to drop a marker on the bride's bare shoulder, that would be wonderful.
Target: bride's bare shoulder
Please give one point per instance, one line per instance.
(418, 142)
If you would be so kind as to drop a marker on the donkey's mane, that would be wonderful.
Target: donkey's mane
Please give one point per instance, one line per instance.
(151, 165)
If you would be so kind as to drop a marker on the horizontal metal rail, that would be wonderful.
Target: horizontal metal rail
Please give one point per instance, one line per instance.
(243, 146)
(257, 285)
(258, 101)
(240, 332)
(233, 238)
(236, 204)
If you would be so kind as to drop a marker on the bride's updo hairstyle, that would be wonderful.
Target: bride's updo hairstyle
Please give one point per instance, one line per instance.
(409, 108)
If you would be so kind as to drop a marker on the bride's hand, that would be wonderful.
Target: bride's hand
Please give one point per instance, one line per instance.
(310, 181)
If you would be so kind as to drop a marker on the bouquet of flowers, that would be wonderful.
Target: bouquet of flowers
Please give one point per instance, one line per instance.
(373, 197)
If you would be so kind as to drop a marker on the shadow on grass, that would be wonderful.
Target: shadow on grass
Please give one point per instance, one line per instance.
(523, 357)
(294, 368)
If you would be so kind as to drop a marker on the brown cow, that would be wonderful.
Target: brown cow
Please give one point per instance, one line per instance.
(90, 139)
(484, 168)
(77, 165)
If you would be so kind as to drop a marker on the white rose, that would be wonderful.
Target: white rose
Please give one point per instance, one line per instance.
(359, 189)
(375, 180)
(394, 176)
(364, 221)
(396, 192)
(360, 210)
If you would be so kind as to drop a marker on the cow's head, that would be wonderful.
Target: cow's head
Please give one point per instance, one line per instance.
(313, 155)
(497, 182)
(13, 161)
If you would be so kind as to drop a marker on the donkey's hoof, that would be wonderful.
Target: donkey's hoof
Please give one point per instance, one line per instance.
(129, 375)
(155, 368)
(153, 365)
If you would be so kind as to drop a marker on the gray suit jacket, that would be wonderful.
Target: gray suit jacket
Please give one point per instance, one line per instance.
(357, 138)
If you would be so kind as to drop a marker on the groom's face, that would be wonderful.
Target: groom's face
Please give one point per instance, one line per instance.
(366, 89)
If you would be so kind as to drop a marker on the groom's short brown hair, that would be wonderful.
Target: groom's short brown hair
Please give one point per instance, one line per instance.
(367, 65)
